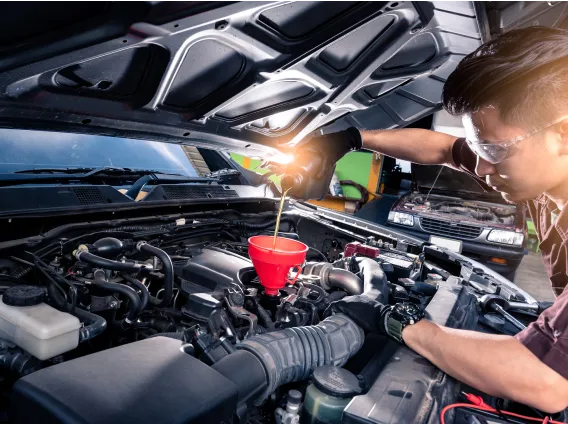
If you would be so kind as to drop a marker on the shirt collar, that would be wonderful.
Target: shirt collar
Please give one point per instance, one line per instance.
(561, 223)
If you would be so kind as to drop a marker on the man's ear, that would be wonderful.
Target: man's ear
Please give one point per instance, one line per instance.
(563, 132)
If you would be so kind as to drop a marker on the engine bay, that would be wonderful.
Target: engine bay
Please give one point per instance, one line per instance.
(456, 208)
(84, 305)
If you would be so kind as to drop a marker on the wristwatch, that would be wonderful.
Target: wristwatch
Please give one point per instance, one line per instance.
(397, 317)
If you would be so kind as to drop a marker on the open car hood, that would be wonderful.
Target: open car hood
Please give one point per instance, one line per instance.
(240, 76)
(444, 180)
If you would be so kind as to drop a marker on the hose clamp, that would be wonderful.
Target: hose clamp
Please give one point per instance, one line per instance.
(140, 244)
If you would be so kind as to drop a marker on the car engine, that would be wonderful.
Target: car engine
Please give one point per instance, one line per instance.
(168, 316)
(450, 207)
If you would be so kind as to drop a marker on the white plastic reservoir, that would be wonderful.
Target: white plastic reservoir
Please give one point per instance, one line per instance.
(41, 330)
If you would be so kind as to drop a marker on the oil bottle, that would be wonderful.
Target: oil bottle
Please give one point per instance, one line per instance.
(308, 181)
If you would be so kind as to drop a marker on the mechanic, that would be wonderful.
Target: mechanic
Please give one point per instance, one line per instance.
(512, 94)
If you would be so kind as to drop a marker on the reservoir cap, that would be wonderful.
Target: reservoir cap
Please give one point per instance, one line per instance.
(336, 381)
(24, 296)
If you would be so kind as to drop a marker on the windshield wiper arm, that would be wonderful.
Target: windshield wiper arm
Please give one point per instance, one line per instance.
(225, 173)
(50, 175)
(108, 170)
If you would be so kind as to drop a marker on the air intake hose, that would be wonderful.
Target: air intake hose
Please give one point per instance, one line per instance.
(373, 285)
(292, 354)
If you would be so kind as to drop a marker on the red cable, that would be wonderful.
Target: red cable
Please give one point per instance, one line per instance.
(478, 403)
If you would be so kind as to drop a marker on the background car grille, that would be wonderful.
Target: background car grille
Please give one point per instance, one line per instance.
(445, 228)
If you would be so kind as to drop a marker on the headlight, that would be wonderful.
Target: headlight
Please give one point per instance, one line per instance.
(401, 218)
(506, 237)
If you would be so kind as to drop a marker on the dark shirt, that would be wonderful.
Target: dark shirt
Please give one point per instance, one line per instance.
(547, 337)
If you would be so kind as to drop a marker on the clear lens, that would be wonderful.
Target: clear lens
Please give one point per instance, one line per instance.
(401, 218)
(492, 153)
(506, 237)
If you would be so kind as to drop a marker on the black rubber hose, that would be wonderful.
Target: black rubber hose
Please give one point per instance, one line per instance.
(265, 225)
(168, 269)
(95, 324)
(144, 295)
(101, 262)
(126, 291)
(292, 354)
(265, 318)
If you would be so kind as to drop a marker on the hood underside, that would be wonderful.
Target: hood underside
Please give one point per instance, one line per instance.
(241, 76)
(441, 179)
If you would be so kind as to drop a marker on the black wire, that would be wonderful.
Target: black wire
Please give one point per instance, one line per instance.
(490, 414)
(319, 253)
(45, 270)
(14, 258)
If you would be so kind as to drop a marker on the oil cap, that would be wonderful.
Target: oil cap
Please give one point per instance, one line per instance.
(24, 296)
(337, 382)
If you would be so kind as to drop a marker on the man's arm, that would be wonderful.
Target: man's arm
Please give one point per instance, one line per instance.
(412, 144)
(497, 365)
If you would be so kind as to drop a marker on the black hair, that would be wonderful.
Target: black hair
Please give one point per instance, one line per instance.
(524, 73)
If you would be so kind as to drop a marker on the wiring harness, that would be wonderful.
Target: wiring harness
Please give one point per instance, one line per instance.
(478, 404)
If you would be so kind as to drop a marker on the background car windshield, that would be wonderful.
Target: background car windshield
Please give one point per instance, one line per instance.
(23, 149)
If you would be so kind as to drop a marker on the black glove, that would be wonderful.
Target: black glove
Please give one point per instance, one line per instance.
(310, 174)
(364, 311)
(374, 317)
(325, 149)
(334, 146)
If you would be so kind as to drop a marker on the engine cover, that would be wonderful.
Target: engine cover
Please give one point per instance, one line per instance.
(212, 271)
(151, 381)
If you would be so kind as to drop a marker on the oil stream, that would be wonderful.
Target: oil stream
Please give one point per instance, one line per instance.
(284, 192)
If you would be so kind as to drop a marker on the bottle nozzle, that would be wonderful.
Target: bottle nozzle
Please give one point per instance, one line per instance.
(289, 181)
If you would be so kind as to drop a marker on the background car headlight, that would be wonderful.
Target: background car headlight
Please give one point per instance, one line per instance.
(506, 237)
(401, 218)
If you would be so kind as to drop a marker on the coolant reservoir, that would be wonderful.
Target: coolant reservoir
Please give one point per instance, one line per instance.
(332, 390)
(34, 326)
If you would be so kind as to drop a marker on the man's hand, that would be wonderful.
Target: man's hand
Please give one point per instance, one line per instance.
(495, 364)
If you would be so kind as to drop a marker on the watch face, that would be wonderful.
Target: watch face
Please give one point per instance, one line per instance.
(407, 308)
(407, 311)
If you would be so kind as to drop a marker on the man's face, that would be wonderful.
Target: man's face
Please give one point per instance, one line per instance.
(536, 166)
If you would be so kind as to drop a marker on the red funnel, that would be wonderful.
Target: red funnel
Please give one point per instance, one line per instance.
(273, 265)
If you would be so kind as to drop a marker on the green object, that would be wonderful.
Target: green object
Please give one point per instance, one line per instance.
(331, 391)
(322, 408)
(532, 242)
(354, 166)
(530, 228)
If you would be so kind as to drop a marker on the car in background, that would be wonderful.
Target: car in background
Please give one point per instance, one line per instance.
(450, 209)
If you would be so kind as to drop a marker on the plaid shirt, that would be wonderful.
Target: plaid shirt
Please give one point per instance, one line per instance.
(547, 337)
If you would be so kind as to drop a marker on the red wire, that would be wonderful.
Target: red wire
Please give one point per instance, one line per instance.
(478, 403)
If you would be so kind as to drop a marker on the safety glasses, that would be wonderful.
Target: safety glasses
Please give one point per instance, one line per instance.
(496, 152)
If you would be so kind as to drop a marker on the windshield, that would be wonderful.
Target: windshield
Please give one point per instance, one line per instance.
(24, 150)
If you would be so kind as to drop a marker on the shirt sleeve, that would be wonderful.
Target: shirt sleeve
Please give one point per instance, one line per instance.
(547, 337)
